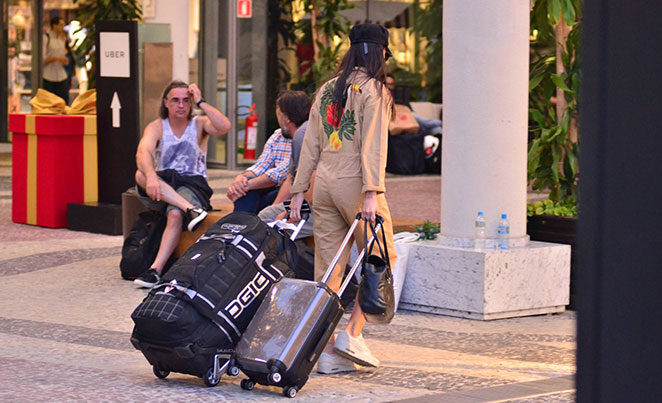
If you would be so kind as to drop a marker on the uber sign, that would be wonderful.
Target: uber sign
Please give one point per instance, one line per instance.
(114, 54)
(118, 109)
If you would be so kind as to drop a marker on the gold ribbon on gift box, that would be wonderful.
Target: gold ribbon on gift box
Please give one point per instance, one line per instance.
(47, 103)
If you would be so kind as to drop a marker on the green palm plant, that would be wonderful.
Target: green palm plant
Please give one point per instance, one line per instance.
(554, 84)
(427, 24)
(91, 11)
(326, 21)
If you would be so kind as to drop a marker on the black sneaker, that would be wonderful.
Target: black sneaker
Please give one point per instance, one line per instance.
(148, 279)
(195, 215)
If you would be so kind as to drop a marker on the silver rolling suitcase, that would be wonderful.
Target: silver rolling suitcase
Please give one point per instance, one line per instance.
(290, 329)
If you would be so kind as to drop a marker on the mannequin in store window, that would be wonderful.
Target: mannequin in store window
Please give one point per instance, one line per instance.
(55, 60)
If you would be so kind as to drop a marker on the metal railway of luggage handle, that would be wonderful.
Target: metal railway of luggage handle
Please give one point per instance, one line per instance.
(305, 210)
(298, 228)
(345, 241)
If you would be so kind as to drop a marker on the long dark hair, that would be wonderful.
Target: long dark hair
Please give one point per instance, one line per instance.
(163, 111)
(373, 63)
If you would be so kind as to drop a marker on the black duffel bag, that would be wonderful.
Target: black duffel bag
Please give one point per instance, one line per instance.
(405, 154)
(226, 274)
(140, 247)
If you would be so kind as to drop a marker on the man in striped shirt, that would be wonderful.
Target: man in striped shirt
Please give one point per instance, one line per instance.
(257, 187)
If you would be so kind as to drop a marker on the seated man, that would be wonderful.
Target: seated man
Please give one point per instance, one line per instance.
(172, 167)
(426, 126)
(258, 186)
(295, 121)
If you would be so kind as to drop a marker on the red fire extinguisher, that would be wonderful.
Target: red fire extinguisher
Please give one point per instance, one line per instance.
(250, 140)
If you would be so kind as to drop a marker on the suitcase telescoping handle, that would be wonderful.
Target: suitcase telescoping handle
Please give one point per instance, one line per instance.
(357, 263)
(283, 224)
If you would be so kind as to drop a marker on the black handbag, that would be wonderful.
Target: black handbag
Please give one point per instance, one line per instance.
(376, 297)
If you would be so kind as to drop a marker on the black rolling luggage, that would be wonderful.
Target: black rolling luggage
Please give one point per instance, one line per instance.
(290, 329)
(191, 322)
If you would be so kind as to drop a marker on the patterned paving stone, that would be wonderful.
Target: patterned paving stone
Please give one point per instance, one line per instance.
(500, 345)
(45, 260)
(65, 328)
(5, 182)
(67, 334)
(417, 379)
(563, 397)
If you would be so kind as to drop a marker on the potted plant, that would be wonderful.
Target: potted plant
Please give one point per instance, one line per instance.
(553, 136)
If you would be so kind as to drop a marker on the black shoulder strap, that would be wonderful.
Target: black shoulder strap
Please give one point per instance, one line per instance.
(344, 96)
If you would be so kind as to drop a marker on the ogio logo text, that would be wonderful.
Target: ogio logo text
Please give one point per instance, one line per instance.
(247, 295)
(233, 227)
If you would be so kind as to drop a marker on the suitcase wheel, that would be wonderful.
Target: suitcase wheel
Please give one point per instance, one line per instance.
(247, 384)
(274, 377)
(161, 374)
(209, 378)
(233, 371)
(290, 391)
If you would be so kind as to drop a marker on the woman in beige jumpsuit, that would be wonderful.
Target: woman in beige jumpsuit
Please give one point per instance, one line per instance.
(347, 146)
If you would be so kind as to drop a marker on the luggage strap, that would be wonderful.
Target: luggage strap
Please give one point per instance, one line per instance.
(343, 245)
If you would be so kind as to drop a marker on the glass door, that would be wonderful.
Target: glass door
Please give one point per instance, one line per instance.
(251, 66)
(233, 60)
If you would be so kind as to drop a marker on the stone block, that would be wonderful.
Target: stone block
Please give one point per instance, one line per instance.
(491, 284)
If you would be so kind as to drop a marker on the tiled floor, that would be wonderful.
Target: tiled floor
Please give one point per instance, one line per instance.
(65, 326)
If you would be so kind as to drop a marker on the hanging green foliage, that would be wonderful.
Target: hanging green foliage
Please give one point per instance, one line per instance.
(427, 24)
(553, 97)
(324, 21)
(280, 38)
(91, 11)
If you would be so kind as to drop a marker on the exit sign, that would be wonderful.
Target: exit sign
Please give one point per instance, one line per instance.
(244, 9)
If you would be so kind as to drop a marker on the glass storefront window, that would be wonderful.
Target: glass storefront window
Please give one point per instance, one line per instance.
(22, 60)
(20, 29)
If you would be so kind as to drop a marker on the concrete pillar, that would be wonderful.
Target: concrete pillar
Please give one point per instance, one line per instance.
(175, 13)
(486, 59)
(485, 82)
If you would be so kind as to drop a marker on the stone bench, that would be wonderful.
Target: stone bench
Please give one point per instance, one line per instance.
(131, 207)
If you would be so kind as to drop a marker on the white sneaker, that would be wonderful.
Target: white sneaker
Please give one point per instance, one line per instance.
(355, 349)
(333, 364)
(195, 215)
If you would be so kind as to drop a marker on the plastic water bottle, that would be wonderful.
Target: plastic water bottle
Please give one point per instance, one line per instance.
(503, 232)
(479, 232)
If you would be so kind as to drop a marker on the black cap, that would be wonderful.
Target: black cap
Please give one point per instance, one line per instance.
(371, 33)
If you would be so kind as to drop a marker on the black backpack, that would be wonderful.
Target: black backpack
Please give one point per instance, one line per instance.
(433, 154)
(140, 247)
(225, 276)
(405, 154)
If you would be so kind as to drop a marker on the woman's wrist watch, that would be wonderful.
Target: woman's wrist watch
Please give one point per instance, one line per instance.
(199, 102)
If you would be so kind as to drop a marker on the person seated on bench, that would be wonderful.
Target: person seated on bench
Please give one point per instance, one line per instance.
(258, 186)
(296, 120)
(426, 126)
(172, 167)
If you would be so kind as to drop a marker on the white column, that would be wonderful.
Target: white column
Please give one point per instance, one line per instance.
(175, 13)
(486, 58)
(485, 90)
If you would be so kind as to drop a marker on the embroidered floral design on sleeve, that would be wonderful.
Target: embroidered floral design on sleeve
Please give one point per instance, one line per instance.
(336, 131)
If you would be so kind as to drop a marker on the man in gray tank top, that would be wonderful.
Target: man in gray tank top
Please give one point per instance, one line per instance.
(172, 172)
